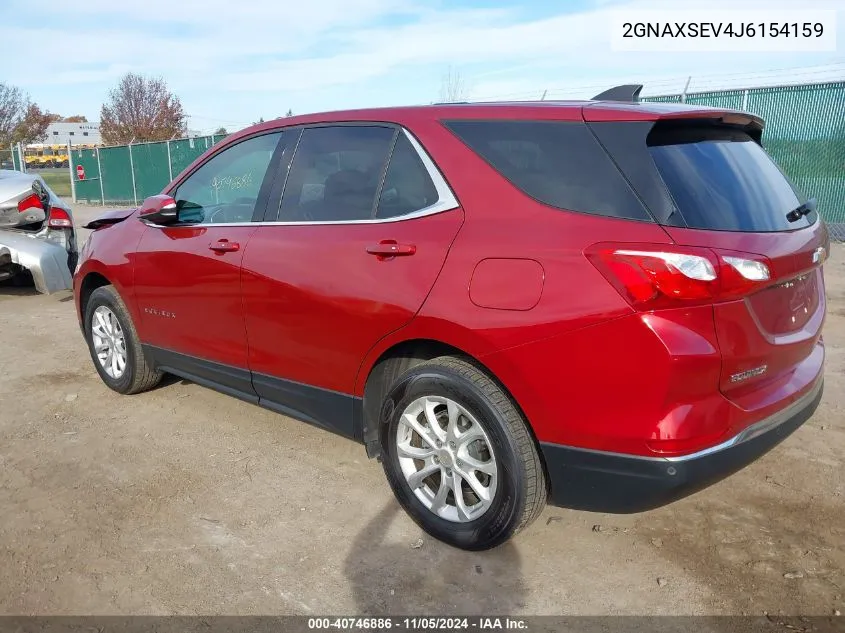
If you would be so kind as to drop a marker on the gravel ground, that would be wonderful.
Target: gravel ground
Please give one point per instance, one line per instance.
(186, 501)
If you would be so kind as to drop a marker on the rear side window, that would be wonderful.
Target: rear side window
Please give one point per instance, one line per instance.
(407, 186)
(558, 163)
(336, 173)
(721, 179)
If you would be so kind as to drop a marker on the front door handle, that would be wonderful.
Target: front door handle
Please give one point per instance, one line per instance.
(224, 246)
(391, 248)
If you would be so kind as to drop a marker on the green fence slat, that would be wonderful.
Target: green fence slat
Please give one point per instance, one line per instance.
(16, 160)
(724, 99)
(150, 165)
(117, 174)
(88, 189)
(184, 151)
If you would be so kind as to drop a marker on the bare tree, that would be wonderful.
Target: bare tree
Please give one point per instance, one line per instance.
(21, 121)
(141, 109)
(453, 87)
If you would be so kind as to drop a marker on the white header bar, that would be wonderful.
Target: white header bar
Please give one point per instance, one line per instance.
(719, 30)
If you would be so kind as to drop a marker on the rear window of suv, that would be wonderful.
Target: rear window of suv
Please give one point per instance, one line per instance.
(559, 163)
(721, 179)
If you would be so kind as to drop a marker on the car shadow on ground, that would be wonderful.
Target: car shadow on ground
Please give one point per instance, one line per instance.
(393, 578)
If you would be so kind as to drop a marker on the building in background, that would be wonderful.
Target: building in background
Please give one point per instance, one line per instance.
(63, 133)
(73, 133)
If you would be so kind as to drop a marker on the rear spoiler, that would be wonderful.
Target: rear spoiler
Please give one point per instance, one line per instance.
(634, 110)
(109, 217)
(673, 113)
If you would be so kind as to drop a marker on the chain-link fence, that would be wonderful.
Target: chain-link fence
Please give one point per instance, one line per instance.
(804, 133)
(7, 158)
(10, 158)
(126, 174)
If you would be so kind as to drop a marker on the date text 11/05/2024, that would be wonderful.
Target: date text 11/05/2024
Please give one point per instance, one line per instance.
(419, 623)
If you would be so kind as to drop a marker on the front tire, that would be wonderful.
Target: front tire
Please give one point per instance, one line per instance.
(459, 456)
(114, 345)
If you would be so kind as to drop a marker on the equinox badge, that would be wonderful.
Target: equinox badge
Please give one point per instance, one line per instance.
(750, 373)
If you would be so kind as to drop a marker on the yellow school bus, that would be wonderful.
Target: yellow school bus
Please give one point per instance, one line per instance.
(41, 156)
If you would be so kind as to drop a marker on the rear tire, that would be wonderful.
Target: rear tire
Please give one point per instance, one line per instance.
(448, 418)
(111, 335)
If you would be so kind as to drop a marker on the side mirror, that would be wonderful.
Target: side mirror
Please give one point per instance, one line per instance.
(160, 209)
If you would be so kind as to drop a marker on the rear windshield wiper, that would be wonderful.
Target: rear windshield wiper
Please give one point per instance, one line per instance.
(799, 212)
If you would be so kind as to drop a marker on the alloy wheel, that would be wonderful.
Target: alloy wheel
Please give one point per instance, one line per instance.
(447, 458)
(109, 342)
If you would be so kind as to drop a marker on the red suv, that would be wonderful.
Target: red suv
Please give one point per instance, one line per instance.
(606, 305)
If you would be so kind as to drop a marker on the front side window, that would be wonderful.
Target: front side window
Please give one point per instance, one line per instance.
(225, 189)
(336, 173)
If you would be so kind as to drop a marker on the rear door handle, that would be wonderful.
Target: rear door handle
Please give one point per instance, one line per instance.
(391, 248)
(224, 246)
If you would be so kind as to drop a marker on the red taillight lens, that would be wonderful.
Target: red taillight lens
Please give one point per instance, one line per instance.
(59, 219)
(30, 202)
(655, 276)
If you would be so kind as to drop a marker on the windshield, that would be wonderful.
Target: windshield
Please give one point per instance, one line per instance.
(721, 179)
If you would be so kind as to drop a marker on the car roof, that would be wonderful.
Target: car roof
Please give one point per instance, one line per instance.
(526, 110)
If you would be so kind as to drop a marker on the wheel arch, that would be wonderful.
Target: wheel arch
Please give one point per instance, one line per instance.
(396, 360)
(90, 282)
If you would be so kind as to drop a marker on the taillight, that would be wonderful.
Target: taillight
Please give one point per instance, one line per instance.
(742, 275)
(59, 219)
(30, 202)
(655, 276)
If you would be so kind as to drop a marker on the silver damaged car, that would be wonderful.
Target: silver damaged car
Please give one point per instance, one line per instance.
(36, 233)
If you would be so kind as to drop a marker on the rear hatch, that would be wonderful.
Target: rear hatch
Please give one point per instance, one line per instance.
(711, 185)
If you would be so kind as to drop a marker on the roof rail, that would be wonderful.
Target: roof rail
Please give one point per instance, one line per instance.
(628, 92)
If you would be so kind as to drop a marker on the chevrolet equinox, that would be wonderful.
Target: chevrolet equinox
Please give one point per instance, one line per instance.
(605, 305)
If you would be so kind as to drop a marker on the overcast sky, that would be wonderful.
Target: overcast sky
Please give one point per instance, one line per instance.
(233, 61)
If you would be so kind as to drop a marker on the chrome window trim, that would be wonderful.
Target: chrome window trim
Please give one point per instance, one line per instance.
(446, 200)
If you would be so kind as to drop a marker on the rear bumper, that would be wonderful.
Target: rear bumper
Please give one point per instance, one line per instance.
(47, 262)
(611, 482)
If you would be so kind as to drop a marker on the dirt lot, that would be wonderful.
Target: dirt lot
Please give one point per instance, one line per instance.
(183, 500)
